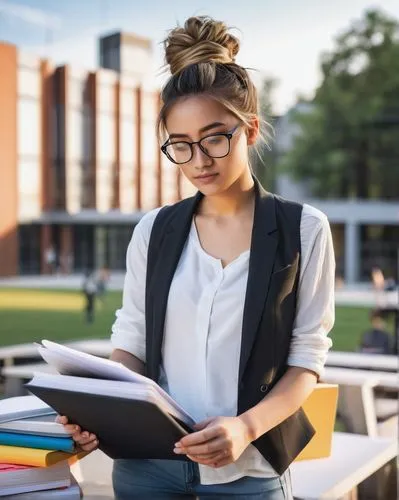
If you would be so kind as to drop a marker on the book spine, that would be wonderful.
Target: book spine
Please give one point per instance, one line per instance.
(37, 442)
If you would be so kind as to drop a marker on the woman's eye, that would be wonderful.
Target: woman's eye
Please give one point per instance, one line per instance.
(216, 139)
(180, 146)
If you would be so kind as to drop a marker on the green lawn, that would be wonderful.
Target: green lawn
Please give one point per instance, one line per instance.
(32, 315)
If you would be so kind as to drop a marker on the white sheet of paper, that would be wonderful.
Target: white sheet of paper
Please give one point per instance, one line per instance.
(69, 361)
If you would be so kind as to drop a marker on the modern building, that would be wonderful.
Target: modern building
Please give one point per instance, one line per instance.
(356, 253)
(80, 161)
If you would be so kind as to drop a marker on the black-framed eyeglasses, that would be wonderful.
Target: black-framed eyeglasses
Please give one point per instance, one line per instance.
(215, 146)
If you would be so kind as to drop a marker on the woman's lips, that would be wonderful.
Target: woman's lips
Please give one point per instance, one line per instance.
(206, 178)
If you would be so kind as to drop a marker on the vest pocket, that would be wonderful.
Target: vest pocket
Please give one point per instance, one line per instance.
(282, 282)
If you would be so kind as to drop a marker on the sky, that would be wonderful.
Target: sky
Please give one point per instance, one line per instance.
(283, 39)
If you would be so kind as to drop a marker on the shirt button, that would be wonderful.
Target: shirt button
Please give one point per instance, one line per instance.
(263, 388)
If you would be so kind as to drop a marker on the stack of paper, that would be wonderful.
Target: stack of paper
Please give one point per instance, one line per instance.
(32, 460)
(68, 361)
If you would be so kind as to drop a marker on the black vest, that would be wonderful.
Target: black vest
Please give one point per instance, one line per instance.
(269, 308)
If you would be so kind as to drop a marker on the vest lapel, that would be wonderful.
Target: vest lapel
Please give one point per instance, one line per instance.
(263, 252)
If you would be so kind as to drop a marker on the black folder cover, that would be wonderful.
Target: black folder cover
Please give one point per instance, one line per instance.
(126, 428)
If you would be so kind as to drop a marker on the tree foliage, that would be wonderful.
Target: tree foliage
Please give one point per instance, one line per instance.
(349, 142)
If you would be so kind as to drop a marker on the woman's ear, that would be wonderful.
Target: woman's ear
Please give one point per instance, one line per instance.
(253, 131)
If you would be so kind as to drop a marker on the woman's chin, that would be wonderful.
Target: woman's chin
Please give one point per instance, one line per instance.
(209, 188)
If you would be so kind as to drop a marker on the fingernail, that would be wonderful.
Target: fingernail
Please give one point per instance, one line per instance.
(76, 427)
(177, 451)
(178, 445)
(85, 434)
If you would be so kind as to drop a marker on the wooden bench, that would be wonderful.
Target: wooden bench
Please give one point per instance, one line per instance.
(353, 459)
(10, 354)
(15, 376)
(363, 361)
(362, 413)
(17, 366)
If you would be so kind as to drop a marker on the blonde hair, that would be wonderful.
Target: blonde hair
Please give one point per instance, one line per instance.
(201, 57)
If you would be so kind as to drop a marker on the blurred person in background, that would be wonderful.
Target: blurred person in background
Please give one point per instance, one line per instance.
(249, 294)
(90, 292)
(103, 277)
(51, 259)
(378, 282)
(376, 340)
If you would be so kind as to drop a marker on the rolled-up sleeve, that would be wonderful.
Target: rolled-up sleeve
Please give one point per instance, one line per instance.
(128, 330)
(315, 303)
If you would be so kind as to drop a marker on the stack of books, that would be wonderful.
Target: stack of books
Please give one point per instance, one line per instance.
(35, 452)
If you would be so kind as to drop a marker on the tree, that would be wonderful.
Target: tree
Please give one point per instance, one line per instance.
(264, 158)
(348, 145)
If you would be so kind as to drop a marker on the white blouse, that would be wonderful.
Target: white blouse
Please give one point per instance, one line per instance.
(203, 323)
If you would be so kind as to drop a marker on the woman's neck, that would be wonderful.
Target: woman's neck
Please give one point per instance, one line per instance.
(237, 199)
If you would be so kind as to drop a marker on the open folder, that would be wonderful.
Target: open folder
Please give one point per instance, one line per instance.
(132, 416)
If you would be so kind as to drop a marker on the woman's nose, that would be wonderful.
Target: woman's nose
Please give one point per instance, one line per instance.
(200, 159)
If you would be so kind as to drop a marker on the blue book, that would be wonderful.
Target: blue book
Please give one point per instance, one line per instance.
(41, 442)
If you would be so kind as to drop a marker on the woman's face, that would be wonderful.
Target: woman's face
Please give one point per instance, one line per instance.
(194, 118)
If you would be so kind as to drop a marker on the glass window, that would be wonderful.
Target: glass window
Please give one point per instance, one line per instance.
(105, 186)
(106, 98)
(29, 249)
(128, 189)
(74, 187)
(76, 92)
(75, 139)
(105, 138)
(29, 127)
(29, 83)
(128, 101)
(29, 200)
(128, 142)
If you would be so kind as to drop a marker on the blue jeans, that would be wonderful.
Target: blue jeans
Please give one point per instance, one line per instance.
(170, 479)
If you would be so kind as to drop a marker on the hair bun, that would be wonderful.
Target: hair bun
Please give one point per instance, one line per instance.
(201, 40)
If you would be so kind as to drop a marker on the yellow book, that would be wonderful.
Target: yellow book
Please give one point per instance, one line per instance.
(35, 457)
(321, 409)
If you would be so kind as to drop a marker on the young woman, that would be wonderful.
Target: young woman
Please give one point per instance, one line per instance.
(233, 320)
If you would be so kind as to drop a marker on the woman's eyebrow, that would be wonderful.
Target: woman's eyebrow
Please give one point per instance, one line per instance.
(201, 130)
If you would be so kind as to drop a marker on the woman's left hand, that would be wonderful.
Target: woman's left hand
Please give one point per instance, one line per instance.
(218, 442)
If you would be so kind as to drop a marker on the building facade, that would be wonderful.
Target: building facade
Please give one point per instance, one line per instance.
(80, 159)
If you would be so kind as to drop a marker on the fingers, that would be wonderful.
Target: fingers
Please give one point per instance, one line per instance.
(61, 419)
(87, 441)
(210, 447)
(200, 437)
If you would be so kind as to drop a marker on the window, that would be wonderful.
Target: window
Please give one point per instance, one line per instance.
(75, 134)
(106, 138)
(29, 83)
(76, 93)
(128, 141)
(106, 98)
(30, 189)
(128, 102)
(29, 127)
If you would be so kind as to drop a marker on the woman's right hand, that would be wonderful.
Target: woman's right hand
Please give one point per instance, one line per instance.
(84, 439)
